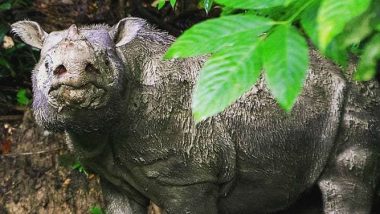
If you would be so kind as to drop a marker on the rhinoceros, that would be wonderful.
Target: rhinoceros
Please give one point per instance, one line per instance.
(127, 114)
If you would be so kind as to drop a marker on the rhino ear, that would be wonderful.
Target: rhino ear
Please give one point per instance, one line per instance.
(126, 30)
(30, 32)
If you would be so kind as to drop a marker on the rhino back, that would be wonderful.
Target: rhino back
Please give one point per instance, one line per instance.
(159, 102)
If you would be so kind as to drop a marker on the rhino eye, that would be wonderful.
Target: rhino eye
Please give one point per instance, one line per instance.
(107, 62)
(47, 65)
(91, 69)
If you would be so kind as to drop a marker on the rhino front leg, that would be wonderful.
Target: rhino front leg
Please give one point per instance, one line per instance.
(118, 202)
(193, 199)
(346, 196)
(348, 184)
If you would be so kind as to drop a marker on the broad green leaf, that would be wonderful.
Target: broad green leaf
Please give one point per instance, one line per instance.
(377, 27)
(226, 76)
(227, 11)
(285, 59)
(172, 3)
(22, 99)
(337, 53)
(289, 12)
(310, 25)
(251, 4)
(294, 8)
(207, 5)
(368, 60)
(334, 15)
(161, 4)
(5, 6)
(217, 34)
(375, 21)
(276, 13)
(288, 2)
(309, 22)
(357, 30)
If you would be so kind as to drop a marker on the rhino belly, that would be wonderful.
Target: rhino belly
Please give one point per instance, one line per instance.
(270, 180)
(269, 187)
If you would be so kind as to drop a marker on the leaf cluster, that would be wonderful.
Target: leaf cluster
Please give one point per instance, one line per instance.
(78, 166)
(17, 59)
(270, 36)
(206, 4)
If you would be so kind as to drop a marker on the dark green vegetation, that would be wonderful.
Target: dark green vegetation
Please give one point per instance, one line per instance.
(256, 35)
(16, 59)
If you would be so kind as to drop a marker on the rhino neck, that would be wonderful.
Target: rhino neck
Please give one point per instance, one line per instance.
(88, 144)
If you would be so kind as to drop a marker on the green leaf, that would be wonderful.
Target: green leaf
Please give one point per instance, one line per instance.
(334, 15)
(310, 25)
(368, 60)
(276, 13)
(96, 210)
(172, 3)
(217, 34)
(252, 4)
(359, 28)
(227, 11)
(288, 2)
(337, 53)
(5, 6)
(22, 99)
(3, 30)
(207, 5)
(375, 11)
(78, 166)
(226, 76)
(309, 21)
(5, 63)
(377, 27)
(161, 4)
(285, 60)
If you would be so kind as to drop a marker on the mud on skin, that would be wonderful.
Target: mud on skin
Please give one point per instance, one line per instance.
(127, 114)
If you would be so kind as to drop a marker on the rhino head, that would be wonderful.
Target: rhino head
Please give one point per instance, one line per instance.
(79, 79)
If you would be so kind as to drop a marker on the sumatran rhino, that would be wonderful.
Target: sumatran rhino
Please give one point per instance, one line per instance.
(128, 116)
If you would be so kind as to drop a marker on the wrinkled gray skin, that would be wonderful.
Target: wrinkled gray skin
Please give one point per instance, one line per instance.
(127, 114)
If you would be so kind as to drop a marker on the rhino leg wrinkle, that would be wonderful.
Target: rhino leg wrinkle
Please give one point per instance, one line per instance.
(127, 115)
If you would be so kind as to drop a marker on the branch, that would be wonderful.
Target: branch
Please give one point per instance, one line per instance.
(10, 117)
(31, 153)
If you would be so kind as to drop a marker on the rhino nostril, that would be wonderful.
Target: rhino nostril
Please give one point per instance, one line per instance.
(60, 70)
(91, 69)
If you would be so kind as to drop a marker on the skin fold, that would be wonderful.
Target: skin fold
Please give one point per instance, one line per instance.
(127, 115)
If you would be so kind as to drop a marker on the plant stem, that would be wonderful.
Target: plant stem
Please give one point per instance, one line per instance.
(301, 9)
(296, 14)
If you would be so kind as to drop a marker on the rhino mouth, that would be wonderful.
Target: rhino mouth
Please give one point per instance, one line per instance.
(86, 96)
